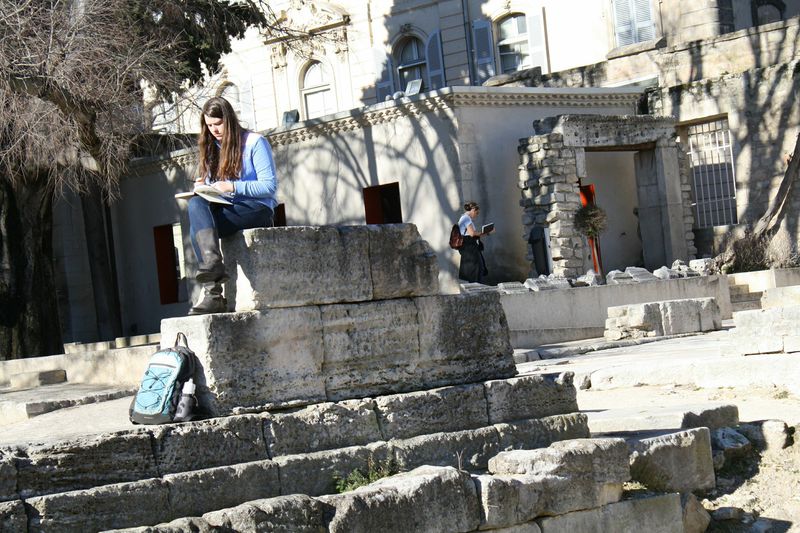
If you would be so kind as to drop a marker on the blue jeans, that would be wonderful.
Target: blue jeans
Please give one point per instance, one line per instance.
(225, 219)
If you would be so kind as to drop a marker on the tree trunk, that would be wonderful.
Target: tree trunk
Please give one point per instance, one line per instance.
(29, 324)
(101, 265)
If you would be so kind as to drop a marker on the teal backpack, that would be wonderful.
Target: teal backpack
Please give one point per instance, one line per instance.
(157, 399)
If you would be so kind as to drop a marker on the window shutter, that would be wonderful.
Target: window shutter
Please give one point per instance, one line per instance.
(537, 49)
(433, 53)
(623, 22)
(385, 85)
(484, 46)
(643, 20)
(246, 105)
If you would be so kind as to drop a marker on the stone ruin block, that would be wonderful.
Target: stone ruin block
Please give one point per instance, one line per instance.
(191, 493)
(565, 477)
(296, 512)
(452, 408)
(431, 499)
(322, 426)
(12, 516)
(312, 354)
(316, 473)
(99, 508)
(640, 275)
(304, 265)
(654, 514)
(678, 462)
(62, 466)
(209, 443)
(534, 396)
(666, 273)
(255, 358)
(512, 287)
(669, 317)
(771, 330)
(616, 277)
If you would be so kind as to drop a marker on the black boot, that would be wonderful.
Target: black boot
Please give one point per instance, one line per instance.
(211, 301)
(211, 268)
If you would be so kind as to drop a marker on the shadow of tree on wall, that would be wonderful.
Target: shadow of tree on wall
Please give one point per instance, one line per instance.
(766, 119)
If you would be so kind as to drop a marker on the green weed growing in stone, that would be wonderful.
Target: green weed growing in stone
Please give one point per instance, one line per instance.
(357, 478)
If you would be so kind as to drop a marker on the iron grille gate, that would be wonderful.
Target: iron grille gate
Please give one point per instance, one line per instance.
(714, 182)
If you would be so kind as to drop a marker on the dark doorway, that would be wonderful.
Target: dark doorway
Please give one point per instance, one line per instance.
(166, 264)
(382, 204)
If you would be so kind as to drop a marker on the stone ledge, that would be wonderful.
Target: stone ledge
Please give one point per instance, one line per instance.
(311, 265)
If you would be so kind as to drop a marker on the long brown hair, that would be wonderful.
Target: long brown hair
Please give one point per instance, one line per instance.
(222, 162)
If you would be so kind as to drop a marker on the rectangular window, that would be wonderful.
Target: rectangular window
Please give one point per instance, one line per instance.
(633, 21)
(713, 179)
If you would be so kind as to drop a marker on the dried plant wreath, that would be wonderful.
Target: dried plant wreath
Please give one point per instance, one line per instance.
(591, 221)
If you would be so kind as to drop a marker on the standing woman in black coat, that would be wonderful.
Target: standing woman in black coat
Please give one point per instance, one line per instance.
(473, 266)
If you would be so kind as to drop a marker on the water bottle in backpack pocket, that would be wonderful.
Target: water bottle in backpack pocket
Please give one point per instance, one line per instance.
(168, 370)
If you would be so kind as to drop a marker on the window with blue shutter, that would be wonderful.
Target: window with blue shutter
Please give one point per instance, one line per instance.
(433, 51)
(483, 43)
(385, 85)
(633, 21)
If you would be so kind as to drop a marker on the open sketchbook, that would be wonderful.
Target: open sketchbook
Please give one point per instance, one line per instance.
(206, 191)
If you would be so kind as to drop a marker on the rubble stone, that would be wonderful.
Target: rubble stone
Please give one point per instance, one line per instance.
(695, 517)
(640, 275)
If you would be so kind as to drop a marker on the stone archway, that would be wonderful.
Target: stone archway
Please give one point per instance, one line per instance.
(553, 160)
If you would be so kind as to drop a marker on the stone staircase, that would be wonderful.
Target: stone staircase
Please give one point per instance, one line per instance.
(342, 356)
(742, 299)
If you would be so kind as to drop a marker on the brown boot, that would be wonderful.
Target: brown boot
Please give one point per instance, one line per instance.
(211, 301)
(211, 267)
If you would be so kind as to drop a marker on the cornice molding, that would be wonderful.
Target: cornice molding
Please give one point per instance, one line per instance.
(446, 101)
(146, 166)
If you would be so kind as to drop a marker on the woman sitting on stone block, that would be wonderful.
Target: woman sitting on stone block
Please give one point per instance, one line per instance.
(237, 163)
(472, 267)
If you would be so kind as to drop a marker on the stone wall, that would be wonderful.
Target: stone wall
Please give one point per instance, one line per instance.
(553, 161)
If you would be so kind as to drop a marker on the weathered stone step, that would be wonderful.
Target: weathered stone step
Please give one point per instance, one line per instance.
(18, 405)
(173, 495)
(634, 419)
(571, 486)
(302, 355)
(747, 297)
(749, 305)
(738, 290)
(148, 452)
(27, 380)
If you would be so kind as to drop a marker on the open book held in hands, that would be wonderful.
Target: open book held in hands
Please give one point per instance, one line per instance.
(206, 191)
(487, 228)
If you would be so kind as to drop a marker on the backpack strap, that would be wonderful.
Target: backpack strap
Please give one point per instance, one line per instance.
(180, 337)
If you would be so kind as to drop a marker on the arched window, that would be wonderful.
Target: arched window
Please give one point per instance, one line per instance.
(317, 93)
(513, 44)
(230, 92)
(411, 63)
(766, 11)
